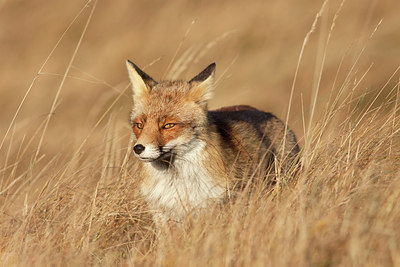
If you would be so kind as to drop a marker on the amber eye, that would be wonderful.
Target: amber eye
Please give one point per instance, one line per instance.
(139, 125)
(168, 126)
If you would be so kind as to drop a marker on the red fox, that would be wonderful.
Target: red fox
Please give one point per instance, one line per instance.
(188, 155)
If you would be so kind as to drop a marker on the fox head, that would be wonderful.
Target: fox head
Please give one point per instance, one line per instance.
(169, 118)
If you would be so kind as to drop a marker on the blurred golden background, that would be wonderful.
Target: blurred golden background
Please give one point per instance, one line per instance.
(66, 193)
(256, 45)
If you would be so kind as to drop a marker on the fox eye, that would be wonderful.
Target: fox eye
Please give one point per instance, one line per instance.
(168, 126)
(139, 125)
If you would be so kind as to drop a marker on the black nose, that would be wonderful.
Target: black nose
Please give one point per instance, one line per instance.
(138, 148)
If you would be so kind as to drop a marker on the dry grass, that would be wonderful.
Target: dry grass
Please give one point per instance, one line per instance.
(67, 194)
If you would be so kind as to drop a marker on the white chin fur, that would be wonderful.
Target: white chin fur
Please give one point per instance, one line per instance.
(146, 159)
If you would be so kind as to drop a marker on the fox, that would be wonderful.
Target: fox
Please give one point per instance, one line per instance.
(189, 156)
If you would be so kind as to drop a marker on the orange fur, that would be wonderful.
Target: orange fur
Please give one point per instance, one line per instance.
(203, 154)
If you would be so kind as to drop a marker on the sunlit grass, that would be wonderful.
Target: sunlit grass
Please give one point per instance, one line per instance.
(68, 195)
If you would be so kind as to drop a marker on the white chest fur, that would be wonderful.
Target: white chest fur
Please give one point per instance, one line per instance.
(179, 189)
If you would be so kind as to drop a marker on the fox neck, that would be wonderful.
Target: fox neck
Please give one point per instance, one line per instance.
(185, 184)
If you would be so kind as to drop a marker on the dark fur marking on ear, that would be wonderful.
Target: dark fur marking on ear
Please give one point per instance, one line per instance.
(146, 78)
(202, 76)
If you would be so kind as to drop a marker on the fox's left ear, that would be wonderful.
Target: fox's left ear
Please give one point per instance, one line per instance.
(141, 82)
(202, 86)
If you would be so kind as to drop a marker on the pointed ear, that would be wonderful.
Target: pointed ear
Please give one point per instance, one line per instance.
(141, 82)
(203, 86)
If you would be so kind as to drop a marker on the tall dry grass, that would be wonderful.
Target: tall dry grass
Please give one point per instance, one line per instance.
(67, 193)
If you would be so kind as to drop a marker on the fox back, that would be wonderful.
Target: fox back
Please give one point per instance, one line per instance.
(190, 156)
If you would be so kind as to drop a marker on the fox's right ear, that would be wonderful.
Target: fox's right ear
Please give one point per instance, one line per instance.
(203, 86)
(141, 82)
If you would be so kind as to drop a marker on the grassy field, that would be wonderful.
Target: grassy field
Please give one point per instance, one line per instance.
(328, 68)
